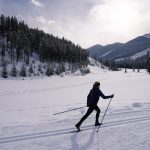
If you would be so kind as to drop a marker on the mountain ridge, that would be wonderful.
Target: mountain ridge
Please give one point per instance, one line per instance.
(121, 50)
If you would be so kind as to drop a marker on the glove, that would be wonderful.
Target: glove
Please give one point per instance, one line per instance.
(112, 95)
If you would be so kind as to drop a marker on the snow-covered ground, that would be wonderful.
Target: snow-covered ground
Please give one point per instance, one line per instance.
(27, 106)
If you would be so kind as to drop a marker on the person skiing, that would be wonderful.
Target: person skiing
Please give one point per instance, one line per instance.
(92, 100)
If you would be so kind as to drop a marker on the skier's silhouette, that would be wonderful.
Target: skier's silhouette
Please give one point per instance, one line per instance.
(92, 100)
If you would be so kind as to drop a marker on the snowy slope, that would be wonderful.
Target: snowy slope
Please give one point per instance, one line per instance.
(106, 54)
(27, 106)
(135, 56)
(140, 54)
(121, 50)
(147, 36)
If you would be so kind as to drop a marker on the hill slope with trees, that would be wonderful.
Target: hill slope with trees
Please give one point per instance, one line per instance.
(25, 51)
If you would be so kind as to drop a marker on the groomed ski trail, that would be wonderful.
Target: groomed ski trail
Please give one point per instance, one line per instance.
(116, 123)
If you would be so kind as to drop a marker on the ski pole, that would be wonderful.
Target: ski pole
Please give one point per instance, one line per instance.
(104, 115)
(69, 110)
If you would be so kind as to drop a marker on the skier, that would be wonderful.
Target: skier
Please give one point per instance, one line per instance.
(92, 100)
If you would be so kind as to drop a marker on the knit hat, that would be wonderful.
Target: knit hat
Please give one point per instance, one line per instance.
(96, 84)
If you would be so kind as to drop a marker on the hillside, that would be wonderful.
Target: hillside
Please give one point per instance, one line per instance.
(121, 50)
(94, 49)
(31, 52)
(102, 51)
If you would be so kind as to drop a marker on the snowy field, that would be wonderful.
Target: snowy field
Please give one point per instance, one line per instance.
(27, 107)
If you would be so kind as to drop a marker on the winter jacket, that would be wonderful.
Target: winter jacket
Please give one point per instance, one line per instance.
(94, 95)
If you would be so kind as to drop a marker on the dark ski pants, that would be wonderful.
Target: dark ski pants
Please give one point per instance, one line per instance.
(89, 111)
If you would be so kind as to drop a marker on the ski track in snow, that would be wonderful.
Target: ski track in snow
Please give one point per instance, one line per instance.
(20, 91)
(27, 87)
(29, 124)
(65, 131)
(71, 130)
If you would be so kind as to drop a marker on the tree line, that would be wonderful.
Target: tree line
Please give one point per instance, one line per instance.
(138, 63)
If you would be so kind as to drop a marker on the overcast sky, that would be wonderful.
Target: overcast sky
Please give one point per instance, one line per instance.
(85, 22)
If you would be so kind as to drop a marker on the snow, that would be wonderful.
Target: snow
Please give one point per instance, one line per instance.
(136, 55)
(140, 54)
(147, 36)
(106, 53)
(27, 107)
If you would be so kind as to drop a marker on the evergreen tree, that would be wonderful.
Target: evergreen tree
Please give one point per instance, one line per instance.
(133, 69)
(2, 25)
(31, 69)
(148, 68)
(14, 71)
(49, 70)
(4, 71)
(62, 67)
(125, 70)
(57, 70)
(113, 66)
(39, 67)
(148, 62)
(23, 70)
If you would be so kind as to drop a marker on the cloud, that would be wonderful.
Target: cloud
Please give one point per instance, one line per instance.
(20, 17)
(1, 11)
(105, 22)
(50, 22)
(119, 21)
(37, 3)
(45, 24)
(44, 21)
(41, 19)
(85, 22)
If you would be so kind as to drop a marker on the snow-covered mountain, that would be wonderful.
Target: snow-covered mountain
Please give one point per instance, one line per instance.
(133, 48)
(147, 35)
(100, 51)
(135, 56)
